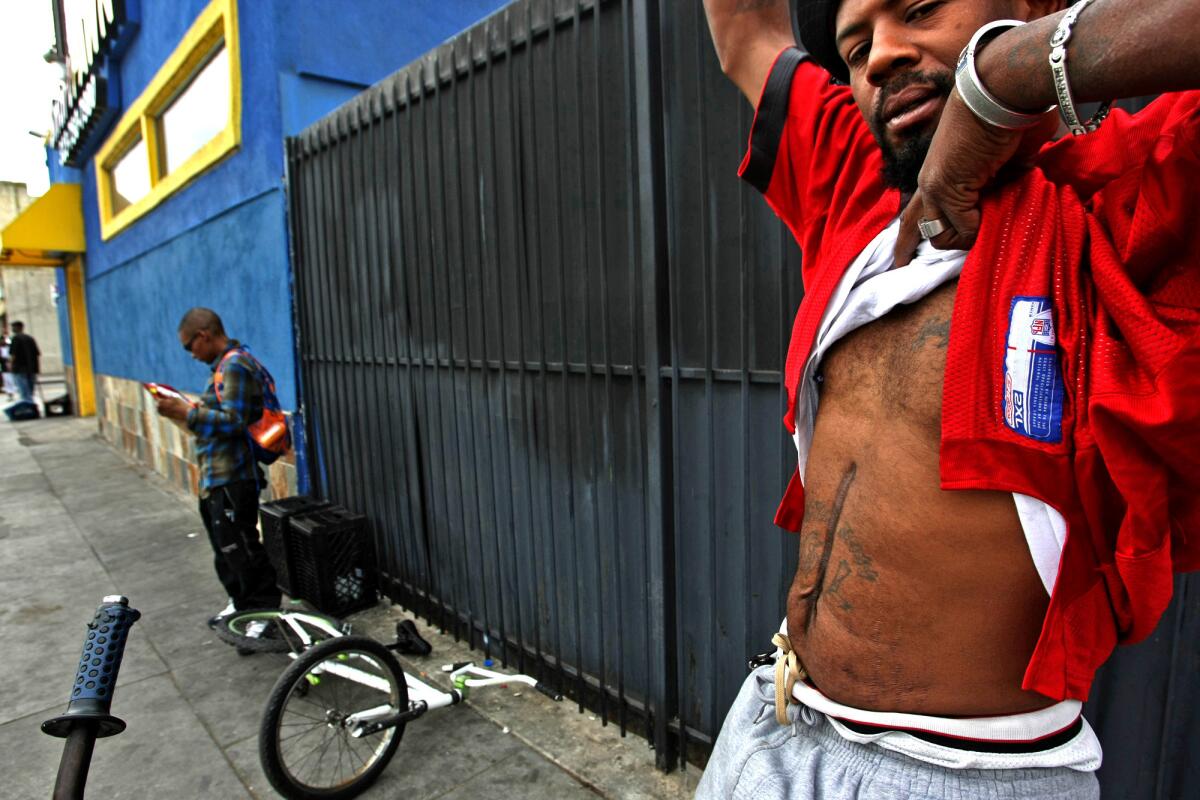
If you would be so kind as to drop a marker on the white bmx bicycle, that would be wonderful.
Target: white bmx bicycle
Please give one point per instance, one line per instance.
(334, 718)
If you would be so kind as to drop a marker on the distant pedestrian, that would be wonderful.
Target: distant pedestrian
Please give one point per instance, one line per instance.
(23, 361)
(10, 385)
(229, 474)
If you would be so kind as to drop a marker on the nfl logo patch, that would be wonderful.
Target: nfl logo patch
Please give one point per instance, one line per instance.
(1033, 381)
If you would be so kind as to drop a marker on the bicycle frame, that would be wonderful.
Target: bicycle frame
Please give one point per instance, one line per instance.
(293, 619)
(350, 690)
(423, 698)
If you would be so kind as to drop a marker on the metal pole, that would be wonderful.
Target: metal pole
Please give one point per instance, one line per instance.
(662, 680)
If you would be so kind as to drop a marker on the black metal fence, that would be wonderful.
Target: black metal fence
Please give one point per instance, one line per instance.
(541, 327)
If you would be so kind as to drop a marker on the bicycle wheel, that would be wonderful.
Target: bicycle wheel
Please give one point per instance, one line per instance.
(277, 636)
(305, 742)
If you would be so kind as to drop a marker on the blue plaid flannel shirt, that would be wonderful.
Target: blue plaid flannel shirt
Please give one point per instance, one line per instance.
(223, 450)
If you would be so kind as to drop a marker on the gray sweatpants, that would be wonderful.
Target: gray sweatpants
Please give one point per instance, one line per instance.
(756, 757)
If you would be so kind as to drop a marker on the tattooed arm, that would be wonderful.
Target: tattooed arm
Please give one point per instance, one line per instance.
(748, 35)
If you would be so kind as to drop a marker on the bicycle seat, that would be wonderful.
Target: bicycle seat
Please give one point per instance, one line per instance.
(408, 641)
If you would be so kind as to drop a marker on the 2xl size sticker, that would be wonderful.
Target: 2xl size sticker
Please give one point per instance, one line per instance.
(1033, 384)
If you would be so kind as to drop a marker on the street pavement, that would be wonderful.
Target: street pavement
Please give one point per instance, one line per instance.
(79, 521)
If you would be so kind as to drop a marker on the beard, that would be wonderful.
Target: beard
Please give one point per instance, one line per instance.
(902, 162)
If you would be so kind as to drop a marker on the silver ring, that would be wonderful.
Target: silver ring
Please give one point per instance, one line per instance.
(930, 228)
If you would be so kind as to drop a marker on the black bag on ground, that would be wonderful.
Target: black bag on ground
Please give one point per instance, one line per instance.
(58, 406)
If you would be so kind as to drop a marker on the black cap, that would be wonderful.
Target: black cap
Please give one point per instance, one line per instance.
(814, 22)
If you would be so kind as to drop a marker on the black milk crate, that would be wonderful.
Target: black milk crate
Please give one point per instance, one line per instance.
(275, 517)
(332, 560)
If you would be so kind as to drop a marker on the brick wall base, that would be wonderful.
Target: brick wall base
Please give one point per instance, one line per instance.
(128, 420)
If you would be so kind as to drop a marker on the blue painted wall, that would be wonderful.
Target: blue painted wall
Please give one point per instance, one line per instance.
(358, 49)
(215, 265)
(221, 241)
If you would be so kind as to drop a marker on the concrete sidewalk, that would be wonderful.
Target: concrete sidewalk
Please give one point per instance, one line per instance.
(78, 521)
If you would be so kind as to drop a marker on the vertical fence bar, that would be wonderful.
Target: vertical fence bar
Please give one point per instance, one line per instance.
(550, 530)
(663, 678)
(391, 532)
(293, 175)
(298, 254)
(398, 421)
(414, 356)
(367, 266)
(607, 359)
(641, 373)
(468, 139)
(529, 261)
(357, 262)
(606, 468)
(708, 269)
(564, 394)
(504, 440)
(336, 444)
(430, 103)
(350, 323)
(428, 367)
(320, 282)
(746, 364)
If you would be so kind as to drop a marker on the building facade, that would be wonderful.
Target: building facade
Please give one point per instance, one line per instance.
(168, 146)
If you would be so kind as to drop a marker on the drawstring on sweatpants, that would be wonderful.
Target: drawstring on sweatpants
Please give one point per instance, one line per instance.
(788, 670)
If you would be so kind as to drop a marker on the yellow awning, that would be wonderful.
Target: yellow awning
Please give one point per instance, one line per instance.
(50, 227)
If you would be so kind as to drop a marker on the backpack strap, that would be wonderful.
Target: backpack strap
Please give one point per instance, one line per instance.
(261, 372)
(219, 372)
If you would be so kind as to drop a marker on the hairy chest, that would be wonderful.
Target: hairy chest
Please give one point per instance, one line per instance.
(893, 367)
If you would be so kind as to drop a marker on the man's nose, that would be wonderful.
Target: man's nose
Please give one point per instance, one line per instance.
(892, 50)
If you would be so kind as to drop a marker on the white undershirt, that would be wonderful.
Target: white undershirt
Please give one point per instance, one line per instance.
(869, 289)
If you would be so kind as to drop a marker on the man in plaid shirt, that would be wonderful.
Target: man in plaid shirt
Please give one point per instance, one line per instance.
(229, 475)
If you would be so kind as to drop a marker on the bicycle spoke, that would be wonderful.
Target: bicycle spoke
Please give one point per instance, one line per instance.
(306, 721)
(324, 751)
(310, 751)
(299, 734)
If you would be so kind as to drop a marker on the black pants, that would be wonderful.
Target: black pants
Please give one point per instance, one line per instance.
(230, 514)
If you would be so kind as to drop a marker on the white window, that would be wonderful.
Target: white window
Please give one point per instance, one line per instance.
(198, 114)
(131, 177)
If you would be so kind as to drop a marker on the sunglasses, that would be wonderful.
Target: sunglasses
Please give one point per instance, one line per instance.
(192, 341)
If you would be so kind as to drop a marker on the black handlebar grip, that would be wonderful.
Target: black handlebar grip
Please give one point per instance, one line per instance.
(103, 647)
(548, 691)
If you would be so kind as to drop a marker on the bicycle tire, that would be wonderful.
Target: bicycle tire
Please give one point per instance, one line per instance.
(323, 706)
(278, 638)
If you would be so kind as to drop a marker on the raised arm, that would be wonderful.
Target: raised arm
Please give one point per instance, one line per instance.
(748, 35)
(1118, 48)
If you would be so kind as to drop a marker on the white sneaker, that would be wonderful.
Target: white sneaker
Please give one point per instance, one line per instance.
(215, 620)
(256, 628)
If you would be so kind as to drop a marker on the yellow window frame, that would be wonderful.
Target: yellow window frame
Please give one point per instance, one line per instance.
(216, 25)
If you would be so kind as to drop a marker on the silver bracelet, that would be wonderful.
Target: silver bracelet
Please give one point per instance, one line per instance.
(1058, 67)
(977, 98)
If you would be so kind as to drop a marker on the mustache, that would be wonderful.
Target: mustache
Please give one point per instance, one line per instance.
(941, 80)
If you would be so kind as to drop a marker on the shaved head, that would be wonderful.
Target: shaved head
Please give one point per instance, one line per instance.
(201, 319)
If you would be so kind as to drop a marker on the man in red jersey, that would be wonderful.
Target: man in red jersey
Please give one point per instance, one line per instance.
(993, 381)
